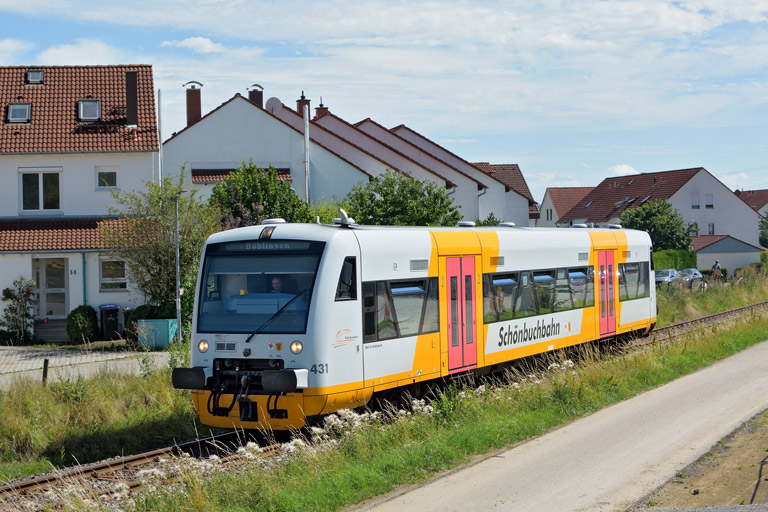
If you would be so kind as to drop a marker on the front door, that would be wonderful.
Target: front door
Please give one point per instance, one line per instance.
(607, 306)
(51, 291)
(460, 311)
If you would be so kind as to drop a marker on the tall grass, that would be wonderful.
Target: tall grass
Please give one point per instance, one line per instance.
(357, 459)
(79, 420)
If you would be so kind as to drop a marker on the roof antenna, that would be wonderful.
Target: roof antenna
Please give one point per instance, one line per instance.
(343, 219)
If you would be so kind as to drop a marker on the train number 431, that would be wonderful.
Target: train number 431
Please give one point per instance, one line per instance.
(319, 368)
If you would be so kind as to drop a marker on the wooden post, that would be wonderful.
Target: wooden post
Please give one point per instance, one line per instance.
(45, 372)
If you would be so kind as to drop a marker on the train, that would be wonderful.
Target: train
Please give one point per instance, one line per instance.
(295, 321)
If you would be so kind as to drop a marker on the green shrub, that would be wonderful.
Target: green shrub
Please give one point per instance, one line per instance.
(674, 258)
(82, 324)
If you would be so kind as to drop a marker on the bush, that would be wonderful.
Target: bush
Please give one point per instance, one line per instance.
(82, 324)
(674, 258)
(18, 317)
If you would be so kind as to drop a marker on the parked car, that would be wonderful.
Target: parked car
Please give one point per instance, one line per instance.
(691, 276)
(668, 276)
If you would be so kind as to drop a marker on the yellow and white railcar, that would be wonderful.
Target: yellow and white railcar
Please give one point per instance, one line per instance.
(357, 310)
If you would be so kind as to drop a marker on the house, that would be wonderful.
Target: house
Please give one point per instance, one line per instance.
(69, 136)
(756, 199)
(558, 201)
(341, 154)
(707, 206)
(727, 250)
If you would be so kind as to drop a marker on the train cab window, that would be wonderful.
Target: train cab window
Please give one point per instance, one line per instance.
(347, 287)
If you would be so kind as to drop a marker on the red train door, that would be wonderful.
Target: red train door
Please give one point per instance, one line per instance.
(606, 303)
(460, 310)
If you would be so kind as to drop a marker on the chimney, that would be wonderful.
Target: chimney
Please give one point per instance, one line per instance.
(194, 109)
(131, 98)
(300, 104)
(256, 94)
(321, 110)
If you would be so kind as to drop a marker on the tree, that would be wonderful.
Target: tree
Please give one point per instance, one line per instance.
(662, 222)
(18, 318)
(143, 236)
(251, 193)
(399, 200)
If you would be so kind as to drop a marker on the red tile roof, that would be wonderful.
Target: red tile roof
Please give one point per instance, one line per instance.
(510, 175)
(26, 235)
(702, 241)
(564, 198)
(614, 195)
(54, 125)
(755, 199)
(217, 175)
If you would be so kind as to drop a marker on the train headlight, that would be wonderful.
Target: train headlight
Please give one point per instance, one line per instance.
(202, 346)
(297, 347)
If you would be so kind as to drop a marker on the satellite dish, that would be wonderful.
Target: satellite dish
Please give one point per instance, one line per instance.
(274, 105)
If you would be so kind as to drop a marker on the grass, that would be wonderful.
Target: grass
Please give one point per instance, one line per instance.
(81, 420)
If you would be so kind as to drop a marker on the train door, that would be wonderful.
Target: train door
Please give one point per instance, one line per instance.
(606, 304)
(460, 311)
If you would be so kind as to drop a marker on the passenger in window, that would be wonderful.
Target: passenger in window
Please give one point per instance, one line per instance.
(277, 285)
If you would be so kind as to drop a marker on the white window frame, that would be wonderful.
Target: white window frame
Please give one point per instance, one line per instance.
(39, 171)
(16, 118)
(110, 280)
(711, 228)
(81, 107)
(709, 201)
(104, 169)
(32, 79)
(695, 202)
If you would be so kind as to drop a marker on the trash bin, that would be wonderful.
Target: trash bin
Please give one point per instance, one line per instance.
(109, 321)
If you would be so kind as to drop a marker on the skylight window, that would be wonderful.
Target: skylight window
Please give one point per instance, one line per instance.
(35, 76)
(631, 181)
(645, 199)
(19, 112)
(89, 110)
(587, 205)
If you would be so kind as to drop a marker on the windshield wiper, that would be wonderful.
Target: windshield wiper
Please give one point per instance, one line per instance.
(277, 313)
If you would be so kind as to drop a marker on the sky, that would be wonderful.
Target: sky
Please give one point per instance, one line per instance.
(571, 91)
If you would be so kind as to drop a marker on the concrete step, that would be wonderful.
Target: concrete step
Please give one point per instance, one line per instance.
(53, 331)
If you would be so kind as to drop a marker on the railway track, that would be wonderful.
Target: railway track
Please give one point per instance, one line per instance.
(123, 475)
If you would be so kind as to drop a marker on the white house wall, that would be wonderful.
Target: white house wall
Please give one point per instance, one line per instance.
(547, 205)
(78, 193)
(730, 215)
(239, 132)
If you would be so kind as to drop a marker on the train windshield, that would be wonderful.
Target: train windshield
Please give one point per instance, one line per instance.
(257, 286)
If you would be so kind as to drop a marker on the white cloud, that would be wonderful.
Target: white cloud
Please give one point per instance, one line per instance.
(622, 170)
(197, 45)
(10, 49)
(82, 52)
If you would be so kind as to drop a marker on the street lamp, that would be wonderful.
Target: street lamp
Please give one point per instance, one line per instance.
(178, 272)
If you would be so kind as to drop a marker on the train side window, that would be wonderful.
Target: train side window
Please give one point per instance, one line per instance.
(347, 287)
(490, 309)
(408, 298)
(634, 282)
(563, 299)
(525, 304)
(579, 284)
(386, 322)
(430, 321)
(545, 290)
(369, 312)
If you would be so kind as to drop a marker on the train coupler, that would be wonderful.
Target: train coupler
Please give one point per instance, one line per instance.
(249, 410)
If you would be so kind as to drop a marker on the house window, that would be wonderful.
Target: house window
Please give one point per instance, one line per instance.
(35, 76)
(711, 228)
(549, 213)
(708, 201)
(112, 275)
(695, 201)
(40, 190)
(89, 110)
(106, 177)
(19, 112)
(693, 229)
